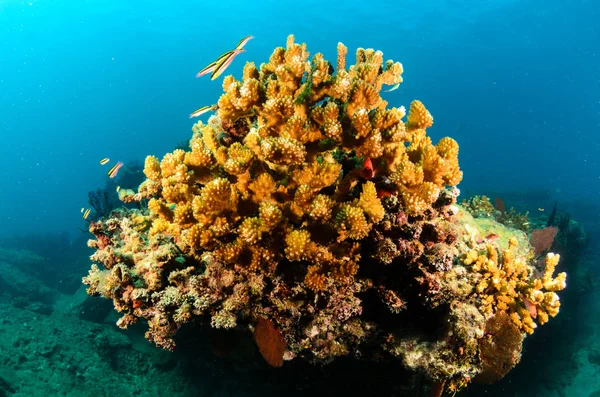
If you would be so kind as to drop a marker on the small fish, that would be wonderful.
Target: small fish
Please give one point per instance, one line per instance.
(381, 193)
(367, 169)
(541, 209)
(225, 62)
(104, 161)
(243, 42)
(492, 237)
(202, 110)
(207, 69)
(394, 87)
(87, 213)
(211, 67)
(118, 188)
(115, 169)
(82, 209)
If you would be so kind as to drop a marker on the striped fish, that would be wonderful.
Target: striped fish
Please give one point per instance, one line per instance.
(115, 169)
(224, 64)
(202, 110)
(104, 161)
(243, 42)
(211, 67)
(87, 213)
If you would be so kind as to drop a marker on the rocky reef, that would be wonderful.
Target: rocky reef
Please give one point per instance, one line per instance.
(324, 222)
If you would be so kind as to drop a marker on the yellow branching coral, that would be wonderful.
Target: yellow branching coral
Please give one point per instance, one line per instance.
(505, 283)
(214, 198)
(152, 168)
(270, 215)
(263, 187)
(370, 204)
(419, 116)
(276, 161)
(161, 209)
(250, 231)
(422, 170)
(238, 159)
(341, 58)
(317, 174)
(351, 223)
(282, 151)
(297, 244)
(320, 209)
(315, 280)
(364, 97)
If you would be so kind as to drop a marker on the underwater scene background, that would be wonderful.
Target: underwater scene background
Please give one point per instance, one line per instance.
(516, 86)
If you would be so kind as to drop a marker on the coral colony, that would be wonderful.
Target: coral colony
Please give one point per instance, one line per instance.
(310, 214)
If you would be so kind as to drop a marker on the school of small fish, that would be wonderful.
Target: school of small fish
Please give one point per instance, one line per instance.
(216, 68)
(111, 174)
(221, 63)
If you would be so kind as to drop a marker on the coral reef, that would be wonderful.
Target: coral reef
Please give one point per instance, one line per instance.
(308, 211)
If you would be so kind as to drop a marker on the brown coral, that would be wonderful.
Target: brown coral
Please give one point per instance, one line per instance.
(500, 349)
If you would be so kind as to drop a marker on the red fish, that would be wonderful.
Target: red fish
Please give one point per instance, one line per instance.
(491, 237)
(367, 169)
(383, 193)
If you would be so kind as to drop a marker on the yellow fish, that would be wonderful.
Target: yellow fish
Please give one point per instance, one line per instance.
(86, 213)
(202, 110)
(225, 62)
(104, 161)
(394, 88)
(118, 188)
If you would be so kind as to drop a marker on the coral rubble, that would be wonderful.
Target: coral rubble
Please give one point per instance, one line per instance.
(308, 211)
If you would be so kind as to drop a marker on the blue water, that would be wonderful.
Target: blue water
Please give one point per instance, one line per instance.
(516, 83)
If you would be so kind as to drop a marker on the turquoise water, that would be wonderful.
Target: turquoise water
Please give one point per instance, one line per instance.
(515, 83)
